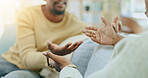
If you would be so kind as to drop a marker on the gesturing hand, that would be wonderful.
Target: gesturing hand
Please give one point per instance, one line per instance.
(106, 35)
(63, 50)
(56, 61)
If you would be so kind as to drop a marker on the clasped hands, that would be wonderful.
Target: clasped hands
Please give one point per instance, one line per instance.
(106, 35)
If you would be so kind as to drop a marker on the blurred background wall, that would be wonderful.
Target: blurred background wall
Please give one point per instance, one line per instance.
(87, 10)
(1, 20)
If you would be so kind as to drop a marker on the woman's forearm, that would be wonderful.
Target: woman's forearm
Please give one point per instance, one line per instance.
(70, 72)
(116, 39)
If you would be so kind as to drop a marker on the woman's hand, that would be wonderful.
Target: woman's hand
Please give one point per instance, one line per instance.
(64, 50)
(106, 35)
(56, 61)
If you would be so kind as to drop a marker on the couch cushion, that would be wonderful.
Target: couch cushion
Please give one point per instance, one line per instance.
(99, 59)
(83, 54)
(8, 38)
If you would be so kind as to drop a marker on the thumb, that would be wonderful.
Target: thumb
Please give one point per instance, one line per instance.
(49, 44)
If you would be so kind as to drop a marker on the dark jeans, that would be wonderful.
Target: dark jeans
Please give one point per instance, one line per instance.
(8, 70)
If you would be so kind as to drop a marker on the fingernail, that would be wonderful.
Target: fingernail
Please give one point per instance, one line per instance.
(44, 53)
(102, 16)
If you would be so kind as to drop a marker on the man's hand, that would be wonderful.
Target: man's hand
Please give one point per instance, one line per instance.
(106, 35)
(146, 3)
(64, 50)
(56, 61)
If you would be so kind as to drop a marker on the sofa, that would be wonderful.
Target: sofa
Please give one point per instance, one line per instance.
(86, 57)
(8, 38)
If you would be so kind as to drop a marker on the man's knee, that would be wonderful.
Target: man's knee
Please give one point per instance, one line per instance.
(21, 74)
(6, 68)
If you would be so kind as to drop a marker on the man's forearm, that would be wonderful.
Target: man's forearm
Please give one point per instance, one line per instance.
(34, 61)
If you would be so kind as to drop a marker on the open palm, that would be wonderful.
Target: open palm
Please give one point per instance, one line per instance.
(63, 50)
(106, 35)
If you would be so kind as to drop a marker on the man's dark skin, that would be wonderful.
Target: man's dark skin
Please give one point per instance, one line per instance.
(54, 10)
(60, 62)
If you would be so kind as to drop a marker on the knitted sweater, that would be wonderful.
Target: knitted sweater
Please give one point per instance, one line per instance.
(33, 31)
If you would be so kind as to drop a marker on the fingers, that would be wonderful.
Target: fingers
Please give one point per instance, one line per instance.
(93, 35)
(45, 54)
(67, 45)
(58, 62)
(119, 26)
(105, 21)
(75, 46)
(78, 44)
(50, 46)
(118, 23)
(90, 33)
(54, 57)
(91, 28)
(114, 28)
(116, 19)
(93, 39)
(50, 62)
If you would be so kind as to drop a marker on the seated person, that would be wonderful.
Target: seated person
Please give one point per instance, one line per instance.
(89, 54)
(36, 25)
(123, 63)
(89, 50)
